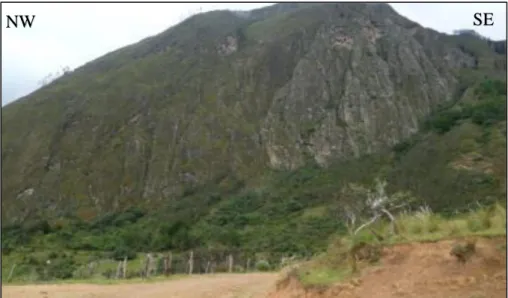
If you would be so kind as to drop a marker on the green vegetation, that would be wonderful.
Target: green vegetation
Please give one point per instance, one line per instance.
(488, 109)
(288, 213)
(263, 265)
(159, 146)
(295, 213)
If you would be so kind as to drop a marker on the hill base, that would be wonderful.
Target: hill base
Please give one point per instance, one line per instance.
(423, 270)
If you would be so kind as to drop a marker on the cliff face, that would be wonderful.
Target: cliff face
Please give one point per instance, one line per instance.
(362, 85)
(218, 99)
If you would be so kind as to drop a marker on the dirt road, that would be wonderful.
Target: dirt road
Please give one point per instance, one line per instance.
(255, 285)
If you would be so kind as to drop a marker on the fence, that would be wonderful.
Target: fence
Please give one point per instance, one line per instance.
(204, 261)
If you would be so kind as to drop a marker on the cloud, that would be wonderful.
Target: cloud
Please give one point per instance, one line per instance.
(71, 34)
(447, 17)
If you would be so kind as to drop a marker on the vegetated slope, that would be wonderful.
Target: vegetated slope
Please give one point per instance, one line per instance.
(419, 270)
(237, 130)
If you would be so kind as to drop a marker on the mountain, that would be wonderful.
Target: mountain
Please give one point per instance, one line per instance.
(235, 111)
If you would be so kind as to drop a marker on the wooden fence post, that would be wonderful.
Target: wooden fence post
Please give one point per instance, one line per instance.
(124, 273)
(11, 272)
(119, 270)
(191, 262)
(207, 266)
(168, 259)
(230, 263)
(247, 267)
(148, 265)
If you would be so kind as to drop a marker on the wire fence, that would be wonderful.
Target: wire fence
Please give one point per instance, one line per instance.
(151, 265)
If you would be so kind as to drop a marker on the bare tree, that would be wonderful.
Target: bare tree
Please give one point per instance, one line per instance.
(64, 70)
(360, 207)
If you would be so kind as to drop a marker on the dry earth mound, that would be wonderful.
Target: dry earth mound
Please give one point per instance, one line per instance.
(423, 270)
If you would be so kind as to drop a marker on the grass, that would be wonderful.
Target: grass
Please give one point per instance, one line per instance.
(331, 267)
(323, 277)
(81, 257)
(102, 281)
(430, 227)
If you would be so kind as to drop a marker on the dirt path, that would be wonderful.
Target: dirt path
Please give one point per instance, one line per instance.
(255, 285)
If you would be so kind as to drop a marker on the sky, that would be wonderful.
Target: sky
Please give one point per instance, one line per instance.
(71, 34)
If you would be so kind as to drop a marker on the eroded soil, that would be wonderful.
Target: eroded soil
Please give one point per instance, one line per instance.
(422, 270)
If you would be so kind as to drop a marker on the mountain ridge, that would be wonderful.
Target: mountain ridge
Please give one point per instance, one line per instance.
(220, 98)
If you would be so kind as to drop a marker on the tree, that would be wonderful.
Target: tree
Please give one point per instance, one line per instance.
(360, 207)
(65, 70)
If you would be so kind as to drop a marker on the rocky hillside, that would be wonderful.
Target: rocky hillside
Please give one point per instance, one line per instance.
(223, 97)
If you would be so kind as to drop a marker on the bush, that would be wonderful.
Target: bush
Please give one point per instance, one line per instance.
(109, 273)
(432, 225)
(56, 269)
(474, 224)
(123, 251)
(403, 147)
(63, 268)
(489, 112)
(443, 121)
(490, 108)
(37, 226)
(455, 229)
(491, 87)
(415, 228)
(263, 265)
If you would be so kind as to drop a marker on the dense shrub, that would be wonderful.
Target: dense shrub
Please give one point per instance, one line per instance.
(37, 226)
(263, 265)
(61, 268)
(489, 112)
(443, 121)
(488, 109)
(491, 88)
(123, 251)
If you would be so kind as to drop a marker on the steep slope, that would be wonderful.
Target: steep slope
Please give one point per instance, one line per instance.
(218, 99)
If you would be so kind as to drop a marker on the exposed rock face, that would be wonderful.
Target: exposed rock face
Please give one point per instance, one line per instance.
(362, 86)
(229, 46)
(223, 95)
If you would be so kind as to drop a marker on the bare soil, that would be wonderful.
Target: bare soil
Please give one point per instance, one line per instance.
(423, 270)
(256, 285)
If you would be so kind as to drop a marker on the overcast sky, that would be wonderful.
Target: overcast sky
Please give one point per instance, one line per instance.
(66, 34)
